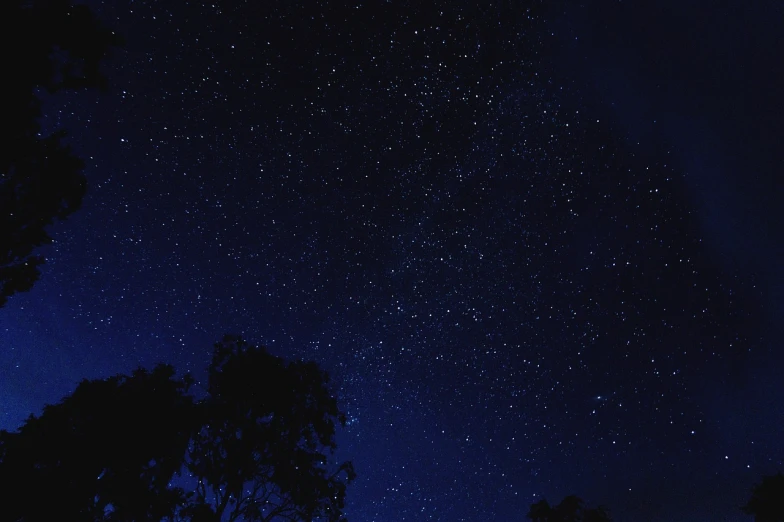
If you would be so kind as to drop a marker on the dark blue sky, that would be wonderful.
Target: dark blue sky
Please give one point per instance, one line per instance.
(702, 77)
(538, 249)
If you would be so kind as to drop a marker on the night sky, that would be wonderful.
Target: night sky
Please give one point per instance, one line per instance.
(538, 246)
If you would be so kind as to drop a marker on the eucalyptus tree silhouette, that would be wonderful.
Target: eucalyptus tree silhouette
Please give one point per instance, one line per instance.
(256, 446)
(266, 429)
(53, 46)
(106, 452)
(767, 500)
(571, 509)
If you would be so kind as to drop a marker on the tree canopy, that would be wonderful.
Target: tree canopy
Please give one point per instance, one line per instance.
(571, 509)
(767, 500)
(53, 46)
(257, 446)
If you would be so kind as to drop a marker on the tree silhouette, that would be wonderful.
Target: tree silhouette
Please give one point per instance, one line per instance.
(540, 511)
(254, 447)
(261, 451)
(571, 509)
(53, 46)
(110, 447)
(767, 500)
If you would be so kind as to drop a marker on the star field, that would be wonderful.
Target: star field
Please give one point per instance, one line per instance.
(516, 292)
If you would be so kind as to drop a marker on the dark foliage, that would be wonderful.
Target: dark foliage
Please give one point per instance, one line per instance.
(767, 500)
(50, 45)
(571, 509)
(111, 446)
(260, 454)
(141, 448)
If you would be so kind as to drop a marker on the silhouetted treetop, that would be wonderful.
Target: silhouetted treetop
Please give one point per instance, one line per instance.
(54, 45)
(767, 500)
(113, 443)
(571, 509)
(256, 447)
(264, 441)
